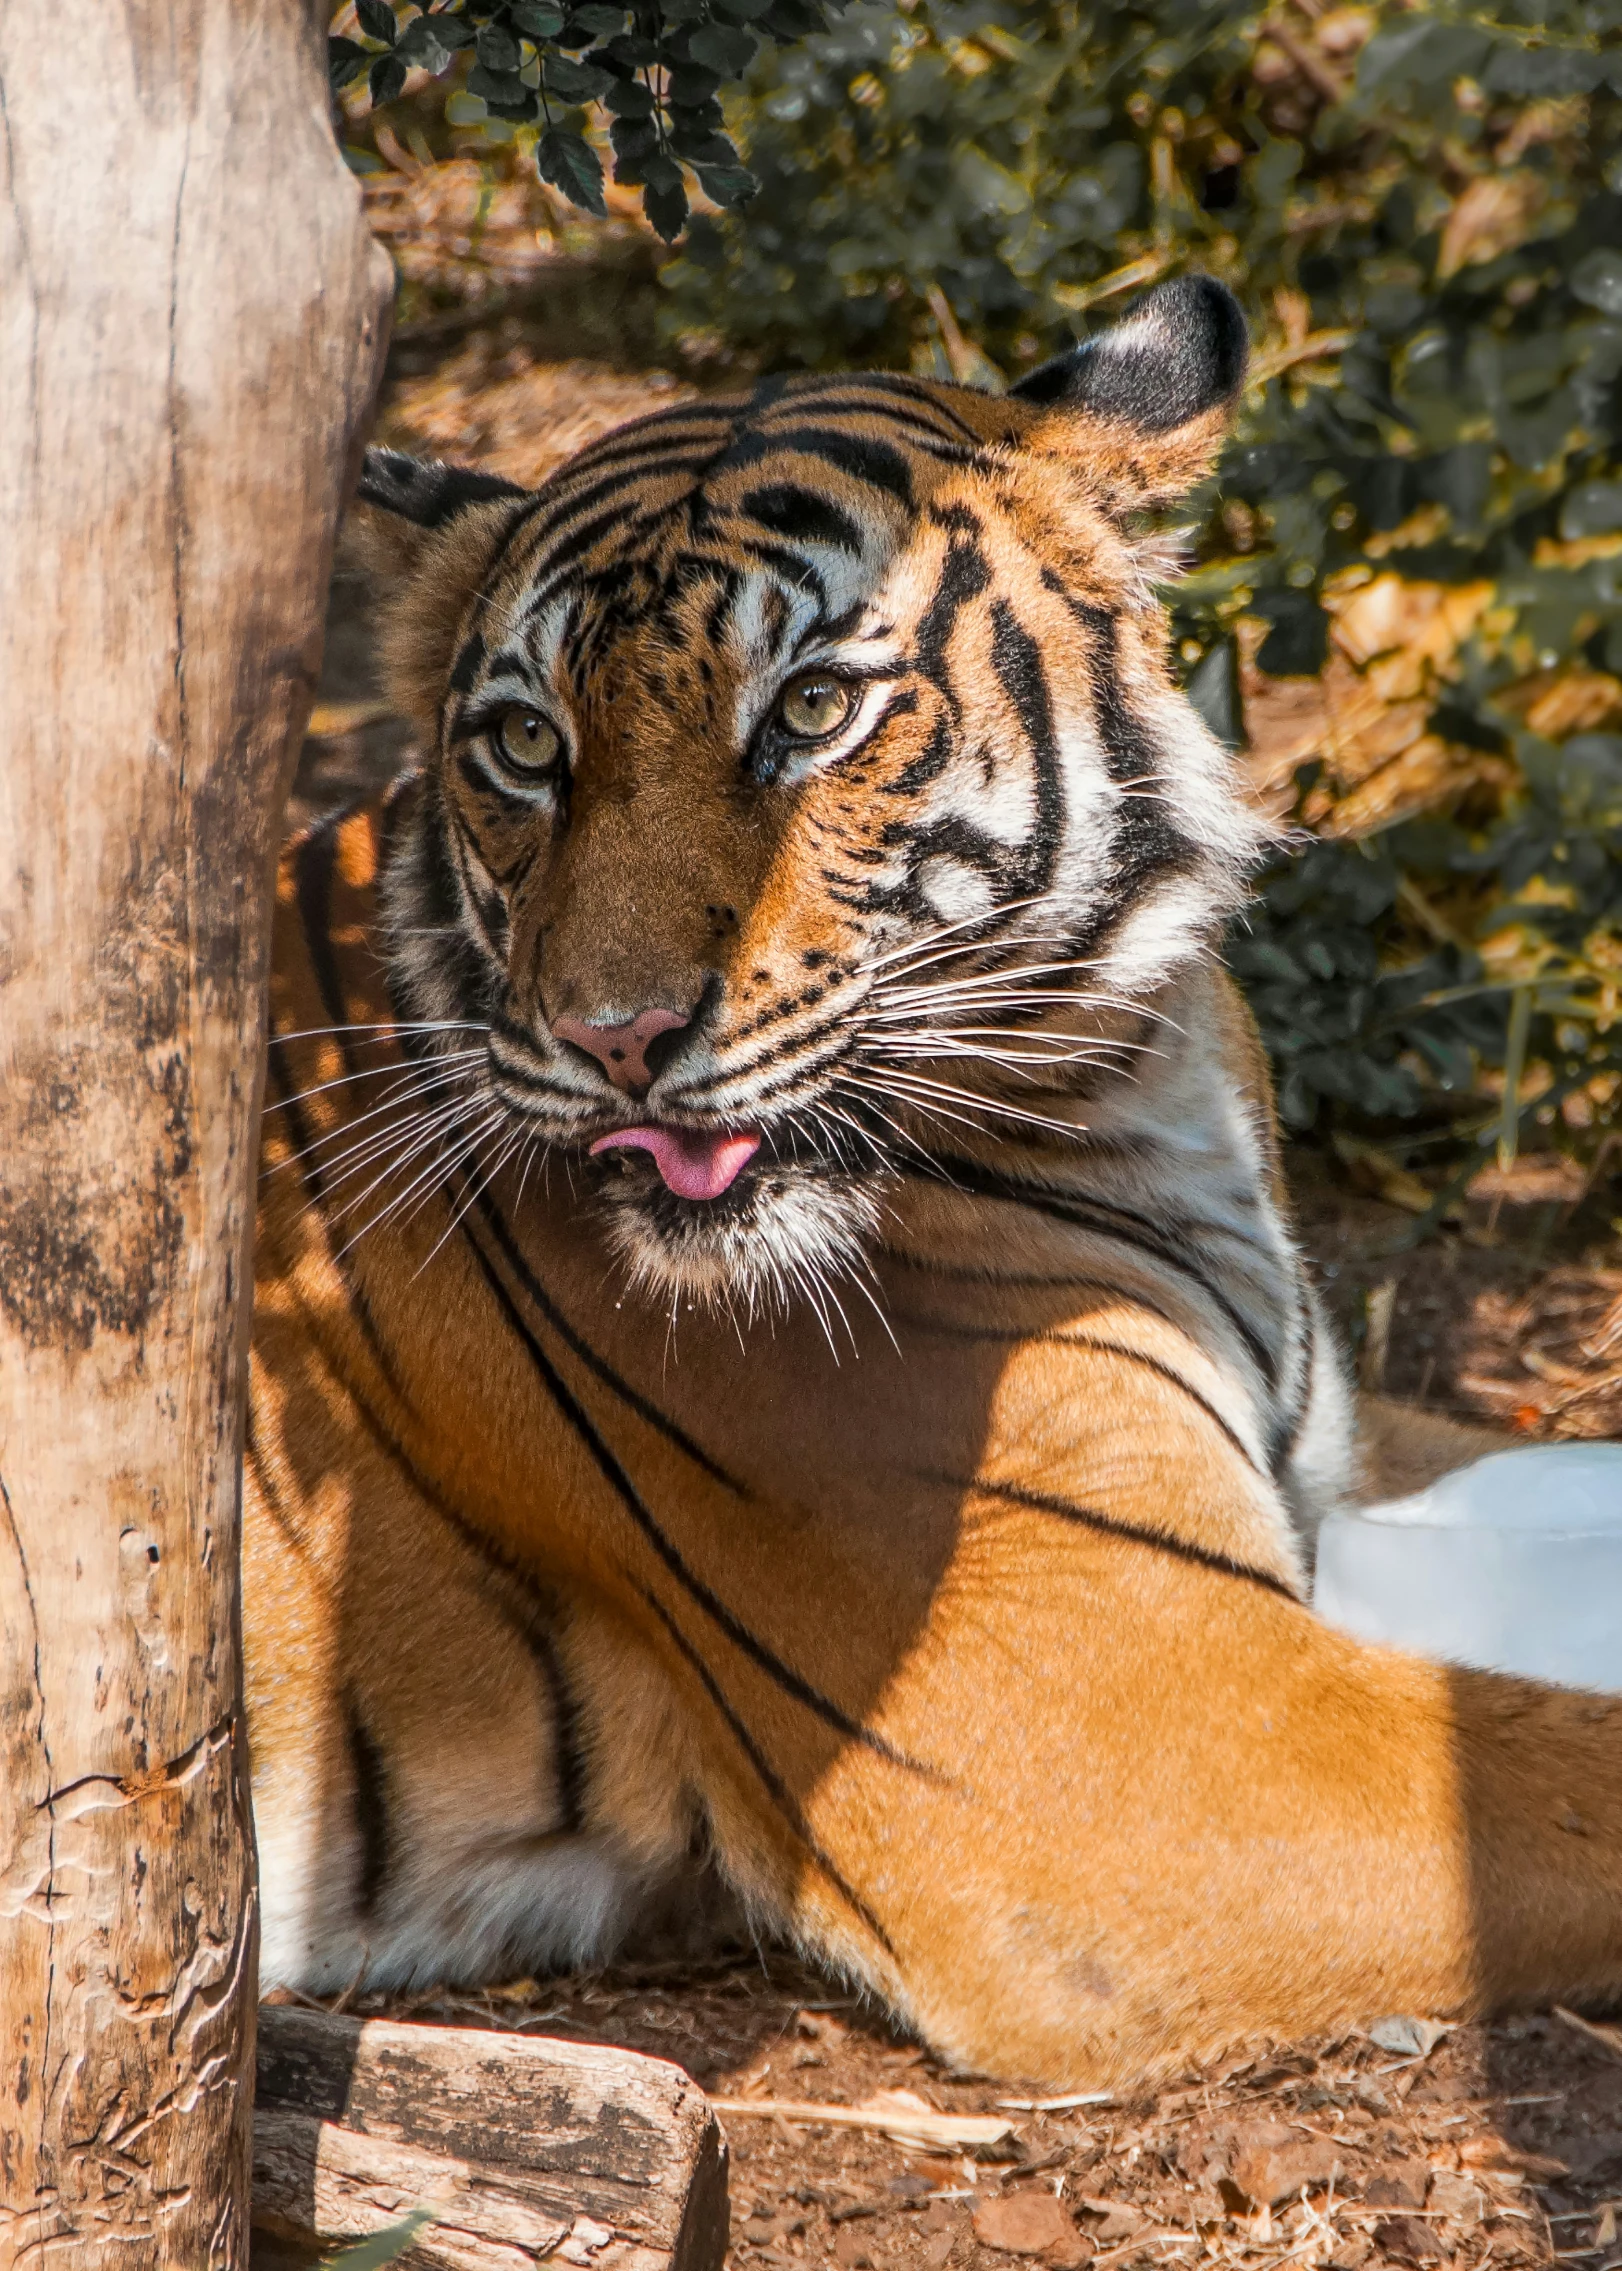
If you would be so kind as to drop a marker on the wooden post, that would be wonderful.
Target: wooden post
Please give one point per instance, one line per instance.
(191, 324)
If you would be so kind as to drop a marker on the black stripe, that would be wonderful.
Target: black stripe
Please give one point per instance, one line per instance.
(689, 425)
(428, 873)
(1011, 1335)
(519, 1264)
(487, 908)
(532, 1628)
(1160, 1541)
(271, 1498)
(729, 589)
(929, 764)
(1017, 660)
(466, 666)
(838, 627)
(791, 1682)
(965, 573)
(1013, 872)
(569, 1757)
(1288, 1427)
(802, 516)
(1146, 842)
(891, 383)
(566, 550)
(1104, 1219)
(694, 443)
(1011, 1280)
(510, 804)
(781, 1796)
(920, 436)
(371, 1807)
(859, 456)
(314, 865)
(956, 1273)
(553, 515)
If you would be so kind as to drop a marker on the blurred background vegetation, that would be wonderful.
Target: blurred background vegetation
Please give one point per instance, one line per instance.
(1405, 605)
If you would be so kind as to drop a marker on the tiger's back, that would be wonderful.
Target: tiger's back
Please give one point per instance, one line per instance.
(865, 1437)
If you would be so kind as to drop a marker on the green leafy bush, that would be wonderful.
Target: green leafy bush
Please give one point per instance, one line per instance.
(1422, 210)
(655, 73)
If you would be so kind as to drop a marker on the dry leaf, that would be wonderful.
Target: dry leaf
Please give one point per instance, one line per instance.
(1029, 2223)
(1400, 2184)
(1409, 2239)
(1454, 2195)
(1557, 702)
(1120, 2219)
(1408, 2038)
(1494, 215)
(1272, 2164)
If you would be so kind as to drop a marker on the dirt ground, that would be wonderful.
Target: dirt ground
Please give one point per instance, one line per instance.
(1503, 2144)
(1495, 2144)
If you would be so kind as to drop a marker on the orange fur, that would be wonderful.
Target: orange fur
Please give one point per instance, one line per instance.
(968, 1643)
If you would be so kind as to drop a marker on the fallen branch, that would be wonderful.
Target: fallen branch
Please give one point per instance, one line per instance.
(523, 2151)
(1608, 2038)
(892, 2113)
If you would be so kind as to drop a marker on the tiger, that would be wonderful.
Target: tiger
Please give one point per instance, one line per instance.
(782, 1368)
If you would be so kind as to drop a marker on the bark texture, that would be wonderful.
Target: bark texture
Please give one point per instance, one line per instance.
(191, 322)
(520, 2151)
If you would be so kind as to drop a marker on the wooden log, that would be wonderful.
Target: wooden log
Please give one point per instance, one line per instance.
(526, 2150)
(191, 326)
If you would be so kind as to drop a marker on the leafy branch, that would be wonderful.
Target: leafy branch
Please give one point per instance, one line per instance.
(656, 71)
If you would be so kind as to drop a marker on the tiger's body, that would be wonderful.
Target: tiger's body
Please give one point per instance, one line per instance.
(779, 1346)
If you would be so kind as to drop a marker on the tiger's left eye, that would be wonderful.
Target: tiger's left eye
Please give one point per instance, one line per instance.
(814, 705)
(527, 741)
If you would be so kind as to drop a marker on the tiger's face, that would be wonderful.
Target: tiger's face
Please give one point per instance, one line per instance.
(809, 785)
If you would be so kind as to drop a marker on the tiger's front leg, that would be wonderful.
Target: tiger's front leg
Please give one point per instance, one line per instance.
(459, 1774)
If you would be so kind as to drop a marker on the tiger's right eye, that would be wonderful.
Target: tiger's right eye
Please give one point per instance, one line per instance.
(813, 706)
(527, 742)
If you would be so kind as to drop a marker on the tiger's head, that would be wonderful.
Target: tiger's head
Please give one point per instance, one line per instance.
(809, 783)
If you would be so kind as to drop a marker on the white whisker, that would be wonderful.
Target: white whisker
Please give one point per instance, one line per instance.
(970, 1102)
(408, 1071)
(433, 1175)
(386, 1027)
(344, 1165)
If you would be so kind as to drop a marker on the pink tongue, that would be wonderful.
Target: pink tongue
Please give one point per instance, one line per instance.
(693, 1166)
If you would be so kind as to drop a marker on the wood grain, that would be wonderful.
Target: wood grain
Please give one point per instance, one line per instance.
(191, 321)
(526, 2150)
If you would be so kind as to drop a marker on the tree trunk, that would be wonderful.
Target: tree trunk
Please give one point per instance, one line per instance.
(191, 323)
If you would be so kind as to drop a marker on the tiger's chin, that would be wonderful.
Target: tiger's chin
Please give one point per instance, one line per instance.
(781, 1235)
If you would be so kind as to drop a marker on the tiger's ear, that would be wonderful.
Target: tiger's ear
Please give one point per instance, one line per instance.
(413, 500)
(1144, 407)
(430, 541)
(426, 495)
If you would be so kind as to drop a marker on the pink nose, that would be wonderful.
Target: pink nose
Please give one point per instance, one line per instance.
(621, 1050)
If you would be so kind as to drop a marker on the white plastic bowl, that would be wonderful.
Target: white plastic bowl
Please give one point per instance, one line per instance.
(1514, 1564)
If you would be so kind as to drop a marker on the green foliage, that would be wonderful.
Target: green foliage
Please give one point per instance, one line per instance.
(1422, 210)
(385, 2246)
(656, 71)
